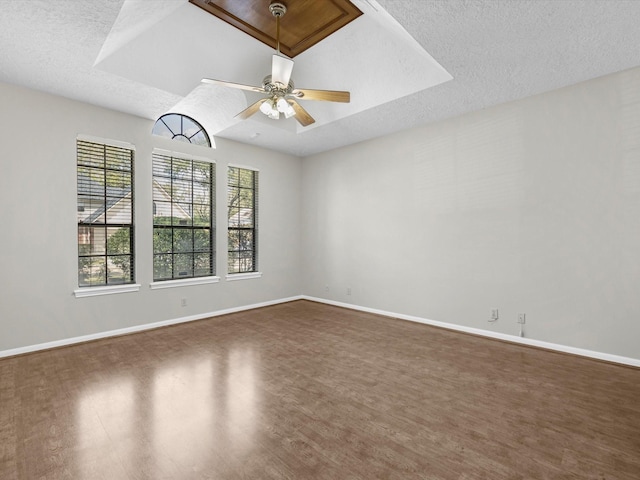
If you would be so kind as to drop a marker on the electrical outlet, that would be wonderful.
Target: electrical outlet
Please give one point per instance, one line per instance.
(183, 302)
(326, 288)
(521, 318)
(348, 290)
(494, 315)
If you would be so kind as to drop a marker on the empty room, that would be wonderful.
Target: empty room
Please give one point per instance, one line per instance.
(320, 239)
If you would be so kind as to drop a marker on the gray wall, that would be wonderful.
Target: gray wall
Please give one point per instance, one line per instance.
(38, 243)
(532, 206)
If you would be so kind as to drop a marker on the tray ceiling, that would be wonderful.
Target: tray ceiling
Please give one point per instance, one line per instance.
(305, 23)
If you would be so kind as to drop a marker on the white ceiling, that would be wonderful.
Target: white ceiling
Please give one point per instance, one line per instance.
(145, 57)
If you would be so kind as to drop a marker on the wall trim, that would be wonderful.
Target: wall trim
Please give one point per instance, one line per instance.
(139, 328)
(607, 357)
(183, 282)
(106, 290)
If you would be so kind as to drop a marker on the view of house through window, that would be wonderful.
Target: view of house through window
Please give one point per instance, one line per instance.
(243, 220)
(183, 217)
(104, 214)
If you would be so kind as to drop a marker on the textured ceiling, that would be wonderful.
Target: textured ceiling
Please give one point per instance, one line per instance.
(495, 50)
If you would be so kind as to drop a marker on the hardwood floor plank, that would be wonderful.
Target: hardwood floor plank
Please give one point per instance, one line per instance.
(309, 391)
(8, 412)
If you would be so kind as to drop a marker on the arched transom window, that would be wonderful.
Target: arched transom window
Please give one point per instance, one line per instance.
(182, 128)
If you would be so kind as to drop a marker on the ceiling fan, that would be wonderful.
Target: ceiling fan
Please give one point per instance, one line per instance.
(281, 93)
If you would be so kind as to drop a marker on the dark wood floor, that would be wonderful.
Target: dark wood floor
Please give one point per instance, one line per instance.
(309, 391)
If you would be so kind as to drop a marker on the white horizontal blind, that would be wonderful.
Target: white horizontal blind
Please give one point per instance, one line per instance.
(105, 205)
(183, 217)
(242, 211)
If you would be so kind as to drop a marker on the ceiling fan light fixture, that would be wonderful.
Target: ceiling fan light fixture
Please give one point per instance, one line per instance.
(274, 114)
(289, 111)
(266, 107)
(282, 105)
(270, 109)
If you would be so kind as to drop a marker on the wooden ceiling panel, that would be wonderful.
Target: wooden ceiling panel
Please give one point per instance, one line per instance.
(306, 22)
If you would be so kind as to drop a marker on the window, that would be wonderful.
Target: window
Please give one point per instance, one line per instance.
(243, 220)
(183, 217)
(181, 128)
(105, 214)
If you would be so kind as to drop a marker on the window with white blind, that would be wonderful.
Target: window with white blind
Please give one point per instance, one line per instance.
(183, 217)
(105, 214)
(242, 184)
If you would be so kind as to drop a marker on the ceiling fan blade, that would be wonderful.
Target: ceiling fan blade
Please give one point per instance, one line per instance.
(233, 85)
(251, 109)
(325, 95)
(281, 68)
(302, 116)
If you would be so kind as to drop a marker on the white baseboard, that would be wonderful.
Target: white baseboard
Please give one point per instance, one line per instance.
(138, 328)
(485, 333)
(450, 326)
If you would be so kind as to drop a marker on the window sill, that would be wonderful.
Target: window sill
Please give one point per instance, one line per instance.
(109, 290)
(184, 282)
(242, 276)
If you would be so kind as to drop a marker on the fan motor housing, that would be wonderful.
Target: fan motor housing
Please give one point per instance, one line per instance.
(271, 87)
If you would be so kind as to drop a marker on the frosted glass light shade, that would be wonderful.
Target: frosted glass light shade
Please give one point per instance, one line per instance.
(282, 105)
(266, 107)
(289, 111)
